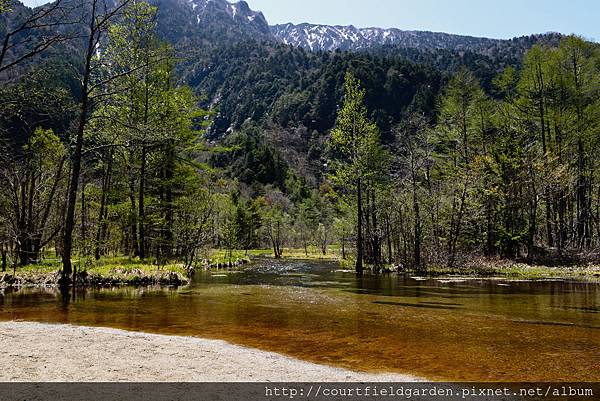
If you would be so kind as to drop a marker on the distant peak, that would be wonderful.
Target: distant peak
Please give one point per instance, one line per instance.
(318, 37)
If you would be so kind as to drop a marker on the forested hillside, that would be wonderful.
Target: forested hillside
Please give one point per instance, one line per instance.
(128, 133)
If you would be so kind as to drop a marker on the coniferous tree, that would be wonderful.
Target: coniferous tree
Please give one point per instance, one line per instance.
(357, 154)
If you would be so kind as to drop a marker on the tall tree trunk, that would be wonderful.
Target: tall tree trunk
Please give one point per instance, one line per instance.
(533, 206)
(375, 235)
(142, 211)
(368, 244)
(457, 226)
(134, 213)
(103, 213)
(388, 235)
(169, 175)
(359, 229)
(84, 240)
(489, 242)
(38, 242)
(589, 229)
(402, 237)
(582, 203)
(22, 232)
(417, 227)
(30, 227)
(545, 146)
(598, 215)
(77, 154)
(4, 252)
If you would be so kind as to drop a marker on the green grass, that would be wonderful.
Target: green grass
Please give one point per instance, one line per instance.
(123, 266)
(314, 253)
(46, 266)
(222, 255)
(105, 266)
(515, 270)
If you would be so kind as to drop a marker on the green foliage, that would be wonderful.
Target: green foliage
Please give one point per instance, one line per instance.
(416, 164)
(36, 101)
(30, 214)
(355, 140)
(247, 223)
(253, 160)
(359, 166)
(44, 149)
(292, 87)
(276, 219)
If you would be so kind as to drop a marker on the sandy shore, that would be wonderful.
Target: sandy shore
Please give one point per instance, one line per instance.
(49, 353)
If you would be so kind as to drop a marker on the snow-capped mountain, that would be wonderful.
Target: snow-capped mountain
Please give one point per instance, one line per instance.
(238, 12)
(197, 23)
(326, 37)
(191, 24)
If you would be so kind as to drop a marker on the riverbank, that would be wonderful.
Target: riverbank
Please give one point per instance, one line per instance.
(123, 271)
(126, 271)
(36, 352)
(509, 269)
(108, 273)
(474, 267)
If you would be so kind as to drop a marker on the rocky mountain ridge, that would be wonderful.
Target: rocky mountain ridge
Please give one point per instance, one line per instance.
(316, 37)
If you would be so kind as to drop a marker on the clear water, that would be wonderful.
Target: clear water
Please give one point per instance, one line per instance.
(493, 330)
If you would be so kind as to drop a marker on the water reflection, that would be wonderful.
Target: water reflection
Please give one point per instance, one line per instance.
(447, 329)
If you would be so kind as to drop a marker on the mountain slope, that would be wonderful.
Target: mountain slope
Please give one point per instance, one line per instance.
(239, 65)
(190, 23)
(329, 38)
(238, 15)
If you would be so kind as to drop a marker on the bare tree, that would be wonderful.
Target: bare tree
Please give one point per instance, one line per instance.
(99, 17)
(29, 205)
(41, 29)
(415, 156)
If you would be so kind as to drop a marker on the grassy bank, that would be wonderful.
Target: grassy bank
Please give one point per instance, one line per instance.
(479, 267)
(476, 267)
(334, 253)
(105, 272)
(113, 271)
(221, 256)
(516, 270)
(123, 270)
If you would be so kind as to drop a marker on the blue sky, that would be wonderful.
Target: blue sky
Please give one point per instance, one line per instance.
(491, 18)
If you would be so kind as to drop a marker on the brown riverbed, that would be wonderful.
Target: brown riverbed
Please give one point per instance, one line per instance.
(89, 354)
(477, 330)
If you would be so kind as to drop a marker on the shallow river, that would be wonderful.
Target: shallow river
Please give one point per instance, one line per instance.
(439, 329)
